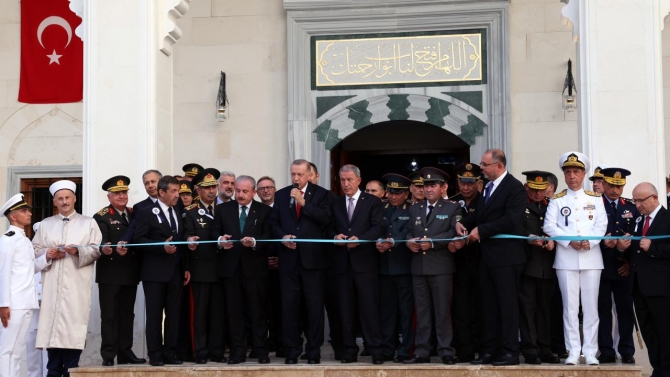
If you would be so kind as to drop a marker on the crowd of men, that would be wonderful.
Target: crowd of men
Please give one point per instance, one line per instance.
(222, 271)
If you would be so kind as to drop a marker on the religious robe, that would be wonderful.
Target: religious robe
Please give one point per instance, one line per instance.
(67, 283)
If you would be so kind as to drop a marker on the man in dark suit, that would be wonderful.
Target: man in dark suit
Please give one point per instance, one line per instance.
(432, 221)
(117, 274)
(500, 212)
(243, 265)
(650, 265)
(395, 277)
(357, 216)
(164, 271)
(539, 278)
(208, 308)
(301, 211)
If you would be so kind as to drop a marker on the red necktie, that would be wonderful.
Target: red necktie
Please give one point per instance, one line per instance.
(298, 207)
(646, 226)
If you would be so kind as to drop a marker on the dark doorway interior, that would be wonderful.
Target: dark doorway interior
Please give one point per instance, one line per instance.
(392, 147)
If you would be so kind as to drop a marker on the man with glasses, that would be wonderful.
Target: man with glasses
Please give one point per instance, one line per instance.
(499, 212)
(650, 267)
(577, 212)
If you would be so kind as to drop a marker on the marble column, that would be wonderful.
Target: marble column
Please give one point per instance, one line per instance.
(619, 83)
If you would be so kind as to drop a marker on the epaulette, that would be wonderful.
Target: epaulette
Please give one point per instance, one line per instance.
(10, 233)
(560, 194)
(194, 205)
(591, 193)
(103, 211)
(625, 201)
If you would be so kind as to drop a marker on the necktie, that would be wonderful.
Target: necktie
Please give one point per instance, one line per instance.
(646, 226)
(173, 221)
(350, 210)
(243, 218)
(613, 204)
(125, 219)
(430, 210)
(489, 188)
(209, 210)
(298, 207)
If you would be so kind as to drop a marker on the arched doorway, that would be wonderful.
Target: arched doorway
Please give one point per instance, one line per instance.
(400, 146)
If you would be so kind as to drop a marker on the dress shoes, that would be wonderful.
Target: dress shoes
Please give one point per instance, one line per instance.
(131, 360)
(314, 360)
(349, 359)
(339, 356)
(417, 360)
(572, 360)
(400, 359)
(448, 360)
(107, 363)
(172, 360)
(606, 359)
(484, 358)
(237, 360)
(532, 360)
(550, 358)
(156, 362)
(377, 359)
(218, 359)
(265, 359)
(591, 359)
(201, 359)
(627, 359)
(291, 360)
(505, 360)
(365, 352)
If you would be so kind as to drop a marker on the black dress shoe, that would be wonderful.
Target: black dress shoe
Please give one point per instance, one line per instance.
(349, 359)
(532, 360)
(156, 363)
(562, 354)
(550, 358)
(172, 360)
(237, 360)
(506, 359)
(417, 360)
(365, 352)
(484, 358)
(265, 359)
(604, 359)
(201, 359)
(448, 360)
(465, 358)
(132, 359)
(291, 360)
(339, 356)
(377, 359)
(218, 359)
(400, 359)
(314, 360)
(107, 363)
(627, 359)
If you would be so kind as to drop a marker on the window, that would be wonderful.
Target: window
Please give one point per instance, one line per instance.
(36, 193)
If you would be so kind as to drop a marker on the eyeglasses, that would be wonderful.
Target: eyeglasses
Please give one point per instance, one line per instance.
(371, 191)
(484, 164)
(639, 201)
(266, 188)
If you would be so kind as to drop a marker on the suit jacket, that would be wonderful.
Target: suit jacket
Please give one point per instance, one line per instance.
(652, 268)
(540, 263)
(619, 222)
(116, 269)
(366, 223)
(202, 260)
(396, 260)
(503, 214)
(157, 264)
(252, 261)
(313, 221)
(440, 224)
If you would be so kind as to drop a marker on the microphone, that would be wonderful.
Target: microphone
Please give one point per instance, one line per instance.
(292, 203)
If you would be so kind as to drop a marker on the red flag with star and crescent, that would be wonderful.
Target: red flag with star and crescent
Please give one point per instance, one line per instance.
(52, 56)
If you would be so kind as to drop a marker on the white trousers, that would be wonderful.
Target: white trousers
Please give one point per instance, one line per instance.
(572, 282)
(37, 358)
(13, 342)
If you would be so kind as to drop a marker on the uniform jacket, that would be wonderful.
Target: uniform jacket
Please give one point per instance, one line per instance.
(619, 222)
(653, 266)
(467, 257)
(576, 213)
(441, 224)
(202, 260)
(397, 259)
(540, 262)
(115, 269)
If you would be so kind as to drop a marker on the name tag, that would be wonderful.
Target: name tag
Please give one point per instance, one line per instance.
(590, 207)
(403, 217)
(442, 217)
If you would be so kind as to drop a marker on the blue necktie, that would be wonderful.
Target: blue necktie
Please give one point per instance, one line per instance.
(243, 218)
(173, 222)
(489, 188)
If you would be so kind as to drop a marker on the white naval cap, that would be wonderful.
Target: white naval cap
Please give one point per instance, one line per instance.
(15, 202)
(36, 226)
(60, 185)
(574, 159)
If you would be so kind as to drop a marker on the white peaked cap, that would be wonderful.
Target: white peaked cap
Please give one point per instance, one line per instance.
(15, 202)
(574, 159)
(64, 184)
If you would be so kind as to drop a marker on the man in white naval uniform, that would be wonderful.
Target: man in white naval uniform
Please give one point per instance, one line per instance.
(18, 296)
(578, 264)
(37, 358)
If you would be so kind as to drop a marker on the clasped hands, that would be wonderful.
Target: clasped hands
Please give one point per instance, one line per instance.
(120, 248)
(59, 251)
(226, 244)
(350, 245)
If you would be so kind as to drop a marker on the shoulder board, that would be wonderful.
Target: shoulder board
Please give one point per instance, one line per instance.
(625, 201)
(10, 233)
(591, 193)
(452, 201)
(194, 205)
(103, 211)
(560, 194)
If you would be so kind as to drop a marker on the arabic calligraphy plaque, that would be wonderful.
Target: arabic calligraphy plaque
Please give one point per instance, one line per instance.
(399, 59)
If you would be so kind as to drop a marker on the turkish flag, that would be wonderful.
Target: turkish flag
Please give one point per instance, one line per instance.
(52, 56)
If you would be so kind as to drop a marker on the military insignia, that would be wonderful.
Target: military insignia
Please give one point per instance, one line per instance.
(103, 211)
(467, 174)
(527, 211)
(201, 222)
(403, 217)
(560, 194)
(111, 211)
(538, 179)
(590, 207)
(590, 217)
(194, 205)
(194, 170)
(468, 166)
(627, 214)
(114, 222)
(617, 174)
(201, 212)
(591, 193)
(459, 218)
(418, 220)
(442, 217)
(428, 176)
(155, 211)
(471, 210)
(184, 187)
(394, 185)
(10, 233)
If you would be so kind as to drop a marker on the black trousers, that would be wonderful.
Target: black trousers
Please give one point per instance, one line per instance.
(500, 293)
(433, 291)
(246, 293)
(653, 313)
(185, 338)
(365, 285)
(208, 313)
(117, 314)
(622, 291)
(396, 307)
(61, 360)
(467, 312)
(332, 304)
(275, 331)
(556, 319)
(163, 297)
(535, 296)
(295, 286)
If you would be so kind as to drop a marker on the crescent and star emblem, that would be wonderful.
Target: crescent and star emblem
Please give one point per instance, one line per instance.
(59, 21)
